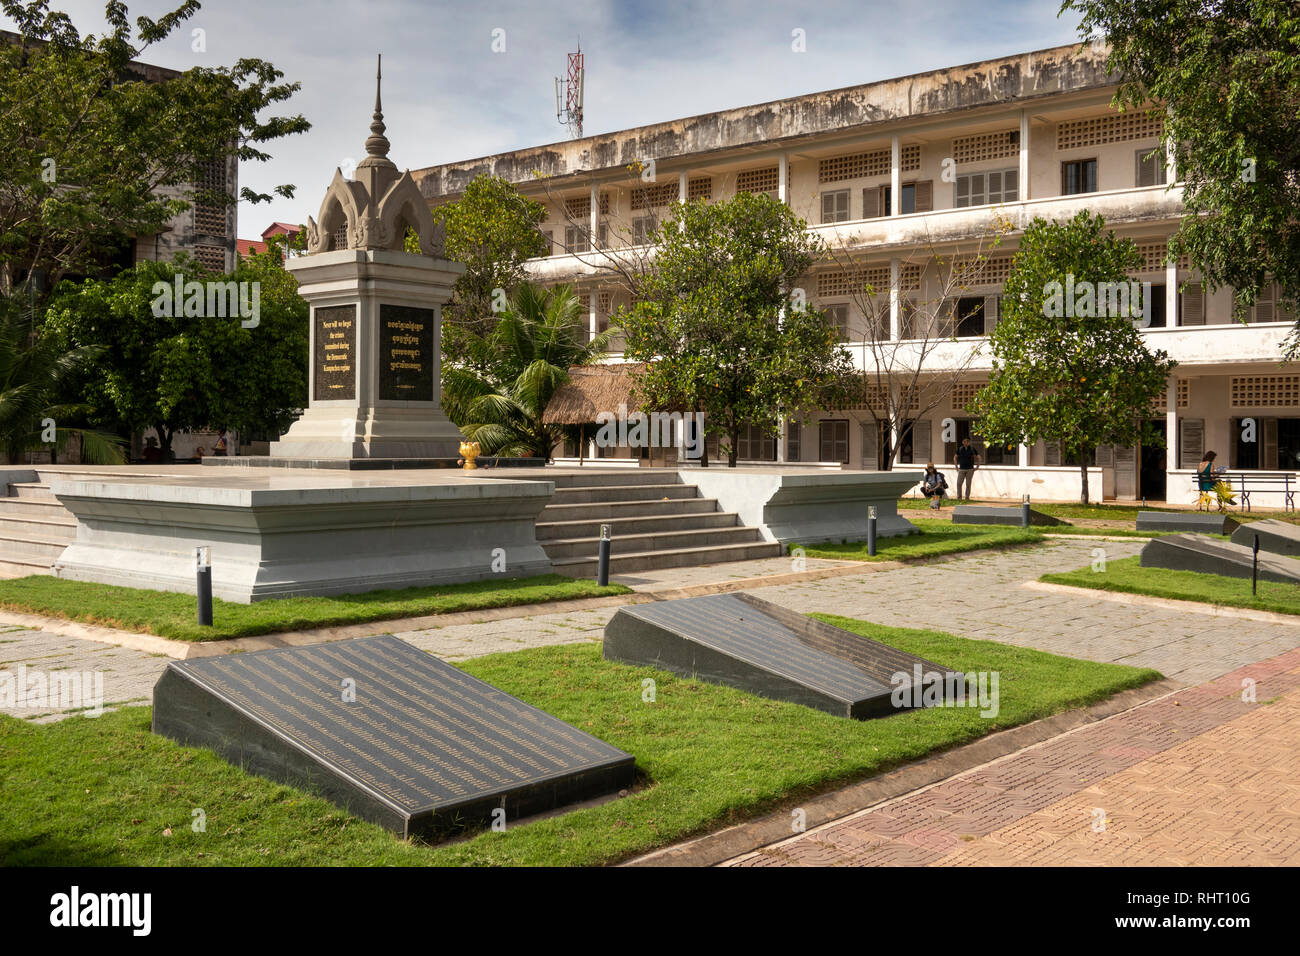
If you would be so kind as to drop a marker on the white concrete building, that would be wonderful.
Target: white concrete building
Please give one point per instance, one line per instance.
(895, 173)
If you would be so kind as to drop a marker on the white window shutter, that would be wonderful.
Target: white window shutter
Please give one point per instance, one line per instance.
(990, 314)
(1105, 456)
(1052, 457)
(1193, 299)
(1268, 448)
(921, 450)
(870, 446)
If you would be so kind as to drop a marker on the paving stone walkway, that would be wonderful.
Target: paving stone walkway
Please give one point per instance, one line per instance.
(1200, 777)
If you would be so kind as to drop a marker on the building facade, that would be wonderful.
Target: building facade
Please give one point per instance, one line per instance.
(920, 187)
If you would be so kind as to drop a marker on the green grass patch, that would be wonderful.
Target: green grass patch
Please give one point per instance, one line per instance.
(1072, 511)
(1107, 532)
(102, 791)
(1129, 577)
(937, 537)
(170, 614)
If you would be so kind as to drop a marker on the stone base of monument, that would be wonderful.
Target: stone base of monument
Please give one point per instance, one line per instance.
(1275, 537)
(983, 514)
(1191, 522)
(388, 732)
(1197, 552)
(369, 464)
(741, 641)
(275, 534)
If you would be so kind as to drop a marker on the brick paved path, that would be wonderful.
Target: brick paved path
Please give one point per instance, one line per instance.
(1200, 777)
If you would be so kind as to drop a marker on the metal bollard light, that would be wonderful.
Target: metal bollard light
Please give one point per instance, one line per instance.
(602, 572)
(1024, 511)
(203, 568)
(1254, 568)
(871, 530)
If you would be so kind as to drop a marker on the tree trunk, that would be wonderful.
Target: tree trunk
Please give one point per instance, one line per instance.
(165, 443)
(1083, 471)
(733, 433)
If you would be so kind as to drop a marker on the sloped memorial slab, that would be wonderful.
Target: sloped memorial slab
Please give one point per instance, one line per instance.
(741, 641)
(1197, 552)
(1191, 522)
(984, 514)
(1275, 537)
(388, 732)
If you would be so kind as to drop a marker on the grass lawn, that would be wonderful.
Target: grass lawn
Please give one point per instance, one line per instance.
(937, 537)
(102, 791)
(1106, 512)
(1108, 532)
(1128, 576)
(170, 614)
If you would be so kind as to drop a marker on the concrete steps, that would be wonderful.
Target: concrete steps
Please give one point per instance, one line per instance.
(656, 522)
(34, 526)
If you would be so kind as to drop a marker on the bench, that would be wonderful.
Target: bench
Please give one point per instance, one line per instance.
(1243, 484)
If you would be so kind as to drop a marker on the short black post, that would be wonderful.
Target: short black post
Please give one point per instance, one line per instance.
(203, 565)
(1254, 568)
(871, 530)
(602, 572)
(1024, 511)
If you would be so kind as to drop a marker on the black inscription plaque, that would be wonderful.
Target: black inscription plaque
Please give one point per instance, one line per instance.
(405, 354)
(420, 748)
(744, 642)
(1277, 537)
(336, 347)
(1193, 522)
(1197, 552)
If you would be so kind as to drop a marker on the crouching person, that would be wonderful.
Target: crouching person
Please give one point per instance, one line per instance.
(934, 485)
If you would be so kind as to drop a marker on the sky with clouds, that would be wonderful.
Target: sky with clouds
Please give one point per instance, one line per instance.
(448, 96)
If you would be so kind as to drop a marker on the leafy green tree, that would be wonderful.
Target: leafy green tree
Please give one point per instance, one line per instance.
(34, 369)
(94, 154)
(539, 337)
(492, 229)
(716, 323)
(1068, 366)
(1228, 71)
(176, 372)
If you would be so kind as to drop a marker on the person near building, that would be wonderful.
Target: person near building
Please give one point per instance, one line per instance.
(934, 485)
(967, 460)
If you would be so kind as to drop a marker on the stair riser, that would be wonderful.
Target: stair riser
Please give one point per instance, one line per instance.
(12, 569)
(556, 550)
(29, 550)
(25, 492)
(650, 524)
(19, 526)
(655, 562)
(34, 507)
(580, 496)
(628, 476)
(603, 511)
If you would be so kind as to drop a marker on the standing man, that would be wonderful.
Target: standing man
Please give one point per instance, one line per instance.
(967, 460)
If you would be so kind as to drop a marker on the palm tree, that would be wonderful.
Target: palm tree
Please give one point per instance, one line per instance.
(33, 367)
(516, 368)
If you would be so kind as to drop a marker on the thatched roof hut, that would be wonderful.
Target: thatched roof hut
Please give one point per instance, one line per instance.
(593, 389)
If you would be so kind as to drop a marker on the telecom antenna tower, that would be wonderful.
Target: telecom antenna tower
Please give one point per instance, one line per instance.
(568, 95)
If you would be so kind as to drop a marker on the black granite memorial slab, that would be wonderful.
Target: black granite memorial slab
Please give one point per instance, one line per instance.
(744, 642)
(984, 514)
(1275, 537)
(1193, 522)
(388, 732)
(1197, 552)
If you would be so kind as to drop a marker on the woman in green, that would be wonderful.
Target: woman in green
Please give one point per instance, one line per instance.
(1205, 473)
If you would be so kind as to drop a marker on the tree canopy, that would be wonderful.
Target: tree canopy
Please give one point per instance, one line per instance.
(718, 325)
(1228, 74)
(95, 152)
(1068, 366)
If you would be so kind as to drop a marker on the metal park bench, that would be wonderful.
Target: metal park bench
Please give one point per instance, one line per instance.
(1243, 484)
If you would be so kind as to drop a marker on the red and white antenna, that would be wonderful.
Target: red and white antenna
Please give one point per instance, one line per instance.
(568, 95)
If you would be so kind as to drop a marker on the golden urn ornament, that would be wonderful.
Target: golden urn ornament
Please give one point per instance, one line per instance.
(469, 451)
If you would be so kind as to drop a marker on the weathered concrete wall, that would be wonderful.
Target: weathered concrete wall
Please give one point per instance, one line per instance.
(1024, 77)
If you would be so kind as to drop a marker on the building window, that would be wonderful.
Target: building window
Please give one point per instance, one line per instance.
(1078, 176)
(641, 230)
(1157, 309)
(977, 189)
(968, 317)
(839, 315)
(909, 199)
(756, 444)
(835, 206)
(793, 434)
(1149, 167)
(833, 441)
(575, 239)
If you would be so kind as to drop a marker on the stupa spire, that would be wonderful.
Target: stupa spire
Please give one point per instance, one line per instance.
(377, 143)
